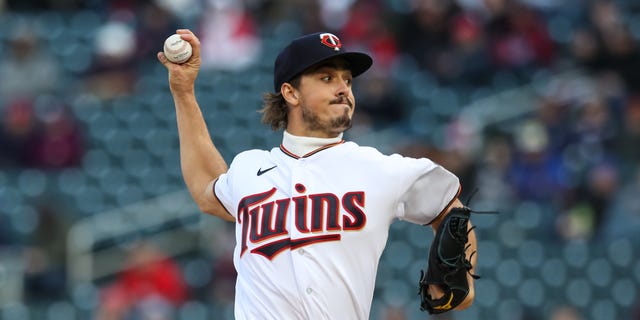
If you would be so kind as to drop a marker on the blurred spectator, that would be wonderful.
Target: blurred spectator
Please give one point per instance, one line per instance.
(606, 44)
(492, 174)
(150, 287)
(602, 185)
(299, 16)
(365, 29)
(26, 70)
(586, 50)
(425, 32)
(536, 173)
(587, 209)
(623, 56)
(468, 62)
(113, 72)
(627, 145)
(593, 134)
(379, 101)
(554, 114)
(19, 133)
(51, 140)
(154, 24)
(448, 42)
(461, 143)
(223, 284)
(45, 255)
(34, 5)
(222, 287)
(227, 29)
(635, 310)
(61, 142)
(517, 36)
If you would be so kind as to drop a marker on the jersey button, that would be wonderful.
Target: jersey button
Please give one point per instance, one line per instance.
(309, 290)
(301, 252)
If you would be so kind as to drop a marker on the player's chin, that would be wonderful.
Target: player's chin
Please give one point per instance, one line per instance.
(343, 125)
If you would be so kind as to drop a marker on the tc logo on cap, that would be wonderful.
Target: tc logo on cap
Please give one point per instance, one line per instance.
(331, 40)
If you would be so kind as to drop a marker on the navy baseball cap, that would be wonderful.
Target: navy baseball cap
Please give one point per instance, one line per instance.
(311, 49)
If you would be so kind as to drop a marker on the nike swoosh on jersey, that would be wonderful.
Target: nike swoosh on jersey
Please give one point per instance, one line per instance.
(261, 172)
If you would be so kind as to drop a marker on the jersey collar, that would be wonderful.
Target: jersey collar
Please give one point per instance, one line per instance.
(300, 147)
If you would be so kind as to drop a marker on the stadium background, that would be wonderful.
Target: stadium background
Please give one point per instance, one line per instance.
(534, 103)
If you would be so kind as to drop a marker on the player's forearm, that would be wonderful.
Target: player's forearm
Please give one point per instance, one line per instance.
(200, 160)
(473, 247)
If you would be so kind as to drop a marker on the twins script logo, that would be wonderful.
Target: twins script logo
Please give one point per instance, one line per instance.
(331, 40)
(319, 217)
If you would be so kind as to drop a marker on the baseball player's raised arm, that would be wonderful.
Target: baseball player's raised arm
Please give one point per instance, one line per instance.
(200, 160)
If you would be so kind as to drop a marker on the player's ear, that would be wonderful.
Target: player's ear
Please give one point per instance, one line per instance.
(289, 93)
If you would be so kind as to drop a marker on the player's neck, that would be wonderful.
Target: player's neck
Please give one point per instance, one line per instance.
(300, 146)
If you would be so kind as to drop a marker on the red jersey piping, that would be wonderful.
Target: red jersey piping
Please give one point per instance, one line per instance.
(295, 156)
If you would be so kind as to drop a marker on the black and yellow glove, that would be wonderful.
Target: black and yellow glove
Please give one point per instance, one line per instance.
(448, 265)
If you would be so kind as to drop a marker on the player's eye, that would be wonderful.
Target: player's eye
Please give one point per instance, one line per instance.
(326, 78)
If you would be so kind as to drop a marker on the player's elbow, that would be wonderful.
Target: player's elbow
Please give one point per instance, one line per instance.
(208, 203)
(224, 215)
(207, 208)
(215, 210)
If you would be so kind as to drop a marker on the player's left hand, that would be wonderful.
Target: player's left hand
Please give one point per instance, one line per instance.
(182, 77)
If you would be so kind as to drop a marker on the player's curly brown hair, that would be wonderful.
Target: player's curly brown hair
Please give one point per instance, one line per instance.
(274, 108)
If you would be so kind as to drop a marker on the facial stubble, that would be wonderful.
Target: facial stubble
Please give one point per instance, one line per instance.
(339, 124)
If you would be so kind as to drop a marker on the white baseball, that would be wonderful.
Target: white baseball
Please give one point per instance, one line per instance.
(176, 49)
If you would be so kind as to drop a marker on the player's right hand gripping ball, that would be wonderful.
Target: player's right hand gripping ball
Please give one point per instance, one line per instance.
(448, 265)
(177, 50)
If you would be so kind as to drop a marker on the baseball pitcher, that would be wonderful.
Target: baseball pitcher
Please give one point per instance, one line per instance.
(312, 215)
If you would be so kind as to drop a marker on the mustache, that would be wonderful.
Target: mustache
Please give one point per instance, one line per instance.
(342, 100)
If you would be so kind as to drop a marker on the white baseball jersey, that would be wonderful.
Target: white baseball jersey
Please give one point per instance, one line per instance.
(310, 229)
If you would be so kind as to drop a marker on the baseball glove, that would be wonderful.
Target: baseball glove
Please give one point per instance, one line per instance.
(448, 265)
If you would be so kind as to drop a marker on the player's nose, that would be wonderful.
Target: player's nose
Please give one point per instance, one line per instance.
(343, 87)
